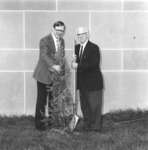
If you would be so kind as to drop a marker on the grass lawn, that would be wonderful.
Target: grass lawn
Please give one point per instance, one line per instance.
(18, 133)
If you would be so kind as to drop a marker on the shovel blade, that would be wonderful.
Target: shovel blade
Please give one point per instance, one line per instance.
(73, 122)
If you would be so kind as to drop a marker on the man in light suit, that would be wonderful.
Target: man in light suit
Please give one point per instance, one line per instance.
(50, 64)
(89, 80)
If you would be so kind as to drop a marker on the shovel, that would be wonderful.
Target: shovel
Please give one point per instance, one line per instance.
(75, 118)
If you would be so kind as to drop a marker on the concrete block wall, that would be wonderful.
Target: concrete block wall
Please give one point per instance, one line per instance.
(119, 27)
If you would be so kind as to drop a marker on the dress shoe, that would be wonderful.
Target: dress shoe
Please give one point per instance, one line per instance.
(95, 130)
(41, 129)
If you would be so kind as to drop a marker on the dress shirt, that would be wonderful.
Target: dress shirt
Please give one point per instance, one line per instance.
(56, 41)
(82, 46)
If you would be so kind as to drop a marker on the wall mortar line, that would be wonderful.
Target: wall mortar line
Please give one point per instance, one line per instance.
(24, 93)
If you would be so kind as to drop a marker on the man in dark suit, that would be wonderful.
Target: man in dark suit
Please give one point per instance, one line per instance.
(50, 64)
(89, 80)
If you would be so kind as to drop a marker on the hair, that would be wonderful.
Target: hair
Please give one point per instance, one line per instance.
(59, 23)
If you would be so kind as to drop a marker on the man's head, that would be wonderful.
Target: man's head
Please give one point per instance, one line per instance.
(82, 34)
(59, 29)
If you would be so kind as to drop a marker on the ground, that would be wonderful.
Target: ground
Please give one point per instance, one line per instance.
(122, 130)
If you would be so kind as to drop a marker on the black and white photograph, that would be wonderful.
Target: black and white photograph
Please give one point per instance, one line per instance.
(73, 75)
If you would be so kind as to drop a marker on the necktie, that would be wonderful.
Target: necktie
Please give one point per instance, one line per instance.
(80, 52)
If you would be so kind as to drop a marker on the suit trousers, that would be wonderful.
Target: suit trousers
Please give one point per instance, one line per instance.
(41, 103)
(91, 106)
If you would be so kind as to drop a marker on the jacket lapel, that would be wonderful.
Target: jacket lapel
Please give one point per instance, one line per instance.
(84, 51)
(52, 44)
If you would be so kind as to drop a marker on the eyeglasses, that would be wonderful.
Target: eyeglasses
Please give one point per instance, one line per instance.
(59, 30)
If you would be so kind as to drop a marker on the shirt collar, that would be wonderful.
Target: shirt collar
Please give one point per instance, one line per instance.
(84, 44)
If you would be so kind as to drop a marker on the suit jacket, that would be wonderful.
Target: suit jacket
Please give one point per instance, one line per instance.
(89, 76)
(47, 58)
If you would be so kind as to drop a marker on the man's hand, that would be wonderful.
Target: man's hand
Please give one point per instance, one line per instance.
(74, 65)
(56, 68)
(74, 58)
